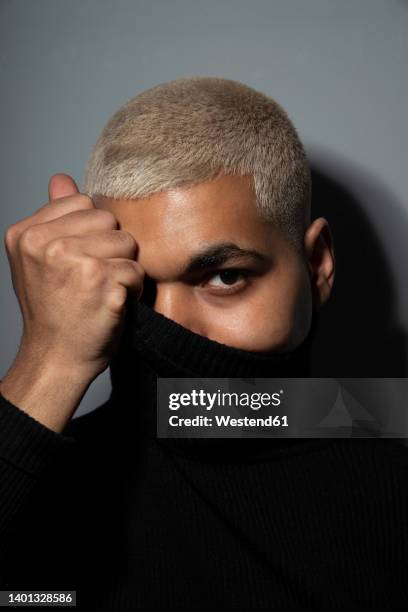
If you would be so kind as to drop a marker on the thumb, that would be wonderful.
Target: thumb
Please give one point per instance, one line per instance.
(61, 185)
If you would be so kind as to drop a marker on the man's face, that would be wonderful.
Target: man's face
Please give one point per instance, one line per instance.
(219, 269)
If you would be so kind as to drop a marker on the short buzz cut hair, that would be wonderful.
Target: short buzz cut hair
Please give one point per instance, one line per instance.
(190, 130)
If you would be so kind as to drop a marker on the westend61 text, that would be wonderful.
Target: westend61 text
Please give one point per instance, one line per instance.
(227, 421)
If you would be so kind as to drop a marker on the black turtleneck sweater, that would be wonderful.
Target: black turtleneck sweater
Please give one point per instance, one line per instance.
(132, 522)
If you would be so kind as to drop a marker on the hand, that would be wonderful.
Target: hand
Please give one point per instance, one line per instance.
(71, 269)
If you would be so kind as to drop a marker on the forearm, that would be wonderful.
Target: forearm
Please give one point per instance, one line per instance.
(46, 390)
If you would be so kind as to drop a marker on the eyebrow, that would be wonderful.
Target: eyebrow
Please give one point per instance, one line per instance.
(218, 254)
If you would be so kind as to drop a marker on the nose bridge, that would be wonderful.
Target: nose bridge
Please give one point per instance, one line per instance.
(174, 302)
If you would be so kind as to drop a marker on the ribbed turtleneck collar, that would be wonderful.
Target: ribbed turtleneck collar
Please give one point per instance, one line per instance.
(153, 346)
(174, 351)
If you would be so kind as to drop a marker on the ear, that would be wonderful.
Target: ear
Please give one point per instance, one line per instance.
(319, 250)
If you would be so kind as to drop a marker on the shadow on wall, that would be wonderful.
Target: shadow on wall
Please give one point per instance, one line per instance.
(358, 334)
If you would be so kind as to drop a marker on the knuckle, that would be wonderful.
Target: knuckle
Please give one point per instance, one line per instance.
(56, 249)
(117, 298)
(121, 236)
(127, 240)
(84, 201)
(92, 270)
(132, 268)
(107, 219)
(31, 240)
(10, 237)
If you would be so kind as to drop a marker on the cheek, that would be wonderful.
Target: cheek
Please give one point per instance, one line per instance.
(276, 316)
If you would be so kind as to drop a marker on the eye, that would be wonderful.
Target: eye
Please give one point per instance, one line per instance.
(228, 280)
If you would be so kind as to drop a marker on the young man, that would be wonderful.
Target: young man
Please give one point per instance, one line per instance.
(190, 252)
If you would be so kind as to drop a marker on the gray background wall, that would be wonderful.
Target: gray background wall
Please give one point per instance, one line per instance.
(340, 70)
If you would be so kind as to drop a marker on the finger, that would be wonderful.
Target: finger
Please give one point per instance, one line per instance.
(127, 273)
(101, 245)
(61, 185)
(48, 212)
(77, 222)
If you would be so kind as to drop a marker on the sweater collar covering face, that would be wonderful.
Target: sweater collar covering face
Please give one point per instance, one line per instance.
(153, 346)
(173, 351)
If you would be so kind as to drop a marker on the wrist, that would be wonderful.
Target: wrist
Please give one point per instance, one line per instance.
(45, 388)
(38, 361)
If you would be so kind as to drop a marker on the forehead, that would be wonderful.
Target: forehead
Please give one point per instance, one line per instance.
(172, 225)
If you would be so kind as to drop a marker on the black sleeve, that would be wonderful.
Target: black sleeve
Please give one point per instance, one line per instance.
(27, 450)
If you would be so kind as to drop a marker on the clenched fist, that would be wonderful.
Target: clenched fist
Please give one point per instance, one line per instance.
(71, 269)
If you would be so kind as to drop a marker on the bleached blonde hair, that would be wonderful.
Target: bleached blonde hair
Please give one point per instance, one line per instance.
(189, 130)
